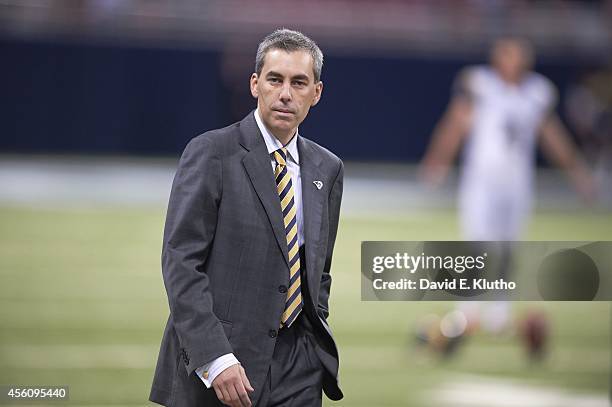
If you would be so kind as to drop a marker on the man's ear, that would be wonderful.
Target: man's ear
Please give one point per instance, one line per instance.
(318, 91)
(254, 79)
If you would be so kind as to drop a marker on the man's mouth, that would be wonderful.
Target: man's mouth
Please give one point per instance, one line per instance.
(284, 111)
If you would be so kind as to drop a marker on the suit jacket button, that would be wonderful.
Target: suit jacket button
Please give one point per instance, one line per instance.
(282, 289)
(272, 333)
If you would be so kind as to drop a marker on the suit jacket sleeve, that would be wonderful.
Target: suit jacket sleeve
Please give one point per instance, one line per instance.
(335, 198)
(188, 236)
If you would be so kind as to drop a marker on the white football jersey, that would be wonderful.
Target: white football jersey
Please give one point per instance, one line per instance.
(499, 155)
(506, 118)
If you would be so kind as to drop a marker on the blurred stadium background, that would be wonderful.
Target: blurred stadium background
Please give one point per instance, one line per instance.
(99, 98)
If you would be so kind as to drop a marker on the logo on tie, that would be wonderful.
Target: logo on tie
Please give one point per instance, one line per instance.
(318, 184)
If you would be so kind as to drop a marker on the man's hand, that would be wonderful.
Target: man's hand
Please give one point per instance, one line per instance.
(232, 385)
(558, 145)
(433, 175)
(584, 183)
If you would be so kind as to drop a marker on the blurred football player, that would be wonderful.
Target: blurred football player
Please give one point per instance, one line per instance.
(500, 112)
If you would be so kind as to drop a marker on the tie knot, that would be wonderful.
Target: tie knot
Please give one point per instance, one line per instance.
(280, 156)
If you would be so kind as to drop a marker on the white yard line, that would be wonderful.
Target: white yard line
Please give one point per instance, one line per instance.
(477, 391)
(118, 356)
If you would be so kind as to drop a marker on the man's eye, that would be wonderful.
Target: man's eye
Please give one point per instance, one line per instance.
(299, 83)
(274, 80)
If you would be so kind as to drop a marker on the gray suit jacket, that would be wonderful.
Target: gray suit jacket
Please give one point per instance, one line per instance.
(225, 261)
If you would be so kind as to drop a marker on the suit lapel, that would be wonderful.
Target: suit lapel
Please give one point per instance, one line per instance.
(257, 165)
(312, 205)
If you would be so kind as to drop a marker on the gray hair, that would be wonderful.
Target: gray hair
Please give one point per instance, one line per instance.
(289, 41)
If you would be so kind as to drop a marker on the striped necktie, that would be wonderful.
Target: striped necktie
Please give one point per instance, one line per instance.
(293, 303)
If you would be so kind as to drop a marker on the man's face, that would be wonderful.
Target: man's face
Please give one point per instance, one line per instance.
(285, 91)
(512, 58)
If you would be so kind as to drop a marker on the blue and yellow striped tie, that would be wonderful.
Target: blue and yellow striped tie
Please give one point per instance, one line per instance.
(294, 303)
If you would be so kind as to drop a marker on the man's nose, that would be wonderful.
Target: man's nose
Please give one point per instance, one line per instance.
(285, 95)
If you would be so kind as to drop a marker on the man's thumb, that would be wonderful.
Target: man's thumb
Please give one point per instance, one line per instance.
(245, 381)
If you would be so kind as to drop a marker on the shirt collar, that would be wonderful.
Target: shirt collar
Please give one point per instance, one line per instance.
(272, 142)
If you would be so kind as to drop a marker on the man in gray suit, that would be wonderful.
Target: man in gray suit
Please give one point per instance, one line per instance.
(247, 250)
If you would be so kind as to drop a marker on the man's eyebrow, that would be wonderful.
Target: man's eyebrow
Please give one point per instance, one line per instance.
(301, 77)
(295, 77)
(272, 73)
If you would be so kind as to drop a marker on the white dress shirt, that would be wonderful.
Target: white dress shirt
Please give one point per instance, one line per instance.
(293, 166)
(211, 370)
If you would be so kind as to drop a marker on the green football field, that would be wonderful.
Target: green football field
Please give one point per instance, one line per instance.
(82, 304)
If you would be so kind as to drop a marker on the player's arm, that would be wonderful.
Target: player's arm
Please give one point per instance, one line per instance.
(559, 149)
(446, 140)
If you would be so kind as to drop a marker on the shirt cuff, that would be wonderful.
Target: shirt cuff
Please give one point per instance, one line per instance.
(211, 370)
